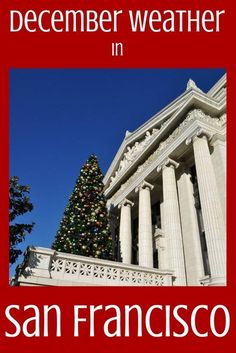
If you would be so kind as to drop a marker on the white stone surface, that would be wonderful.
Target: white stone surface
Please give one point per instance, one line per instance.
(219, 163)
(126, 231)
(172, 226)
(211, 209)
(190, 230)
(73, 270)
(145, 236)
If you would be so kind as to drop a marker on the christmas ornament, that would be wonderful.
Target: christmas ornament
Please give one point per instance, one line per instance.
(84, 228)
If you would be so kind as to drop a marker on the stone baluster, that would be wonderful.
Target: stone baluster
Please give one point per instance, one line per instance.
(172, 226)
(125, 230)
(145, 236)
(211, 208)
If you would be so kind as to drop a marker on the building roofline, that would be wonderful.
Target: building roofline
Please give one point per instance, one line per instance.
(162, 115)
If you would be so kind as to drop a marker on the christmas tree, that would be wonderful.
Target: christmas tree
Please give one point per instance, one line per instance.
(84, 228)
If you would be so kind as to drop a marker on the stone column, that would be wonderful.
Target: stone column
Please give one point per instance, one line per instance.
(125, 231)
(219, 163)
(145, 236)
(163, 256)
(171, 226)
(190, 229)
(211, 209)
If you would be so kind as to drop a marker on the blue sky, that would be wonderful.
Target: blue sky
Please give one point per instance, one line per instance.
(58, 117)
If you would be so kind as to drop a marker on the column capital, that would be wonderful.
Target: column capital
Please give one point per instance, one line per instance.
(125, 202)
(199, 133)
(167, 163)
(144, 185)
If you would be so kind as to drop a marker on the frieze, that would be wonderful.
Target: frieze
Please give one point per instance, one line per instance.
(134, 151)
(192, 115)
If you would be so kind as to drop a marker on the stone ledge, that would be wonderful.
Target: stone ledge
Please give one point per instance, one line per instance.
(47, 267)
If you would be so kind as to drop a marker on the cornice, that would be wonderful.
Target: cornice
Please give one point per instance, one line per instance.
(158, 118)
(144, 185)
(187, 128)
(196, 99)
(125, 202)
(168, 162)
(217, 86)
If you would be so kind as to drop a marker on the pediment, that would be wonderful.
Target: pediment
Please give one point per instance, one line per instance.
(137, 146)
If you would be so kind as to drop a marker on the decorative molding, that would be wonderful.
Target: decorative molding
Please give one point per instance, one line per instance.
(125, 202)
(174, 110)
(217, 86)
(168, 162)
(75, 270)
(193, 115)
(192, 85)
(133, 152)
(156, 119)
(144, 185)
(199, 133)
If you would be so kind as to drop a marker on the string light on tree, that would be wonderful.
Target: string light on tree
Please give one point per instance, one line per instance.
(84, 228)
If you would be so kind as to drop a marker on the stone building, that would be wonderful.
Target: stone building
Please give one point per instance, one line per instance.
(166, 191)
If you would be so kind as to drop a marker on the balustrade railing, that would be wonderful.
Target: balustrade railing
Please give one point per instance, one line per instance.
(48, 267)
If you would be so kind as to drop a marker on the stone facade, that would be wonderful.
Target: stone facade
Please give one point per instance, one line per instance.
(166, 191)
